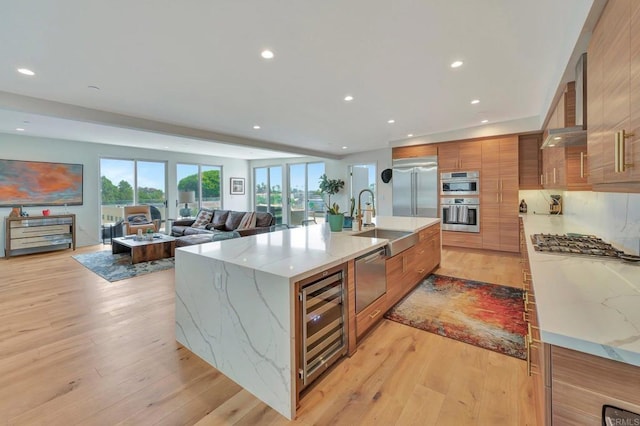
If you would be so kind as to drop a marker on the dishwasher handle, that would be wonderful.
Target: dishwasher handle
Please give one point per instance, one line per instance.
(373, 257)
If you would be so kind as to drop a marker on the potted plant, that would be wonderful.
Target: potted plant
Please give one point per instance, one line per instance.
(335, 218)
(330, 187)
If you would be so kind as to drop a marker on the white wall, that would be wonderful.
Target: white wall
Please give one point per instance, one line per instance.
(18, 147)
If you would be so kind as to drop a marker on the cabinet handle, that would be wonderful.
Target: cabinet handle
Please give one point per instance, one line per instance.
(374, 314)
(616, 153)
(582, 157)
(621, 150)
(554, 175)
(541, 180)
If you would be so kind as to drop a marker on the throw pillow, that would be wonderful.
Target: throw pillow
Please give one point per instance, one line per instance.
(248, 221)
(203, 219)
(137, 219)
(233, 220)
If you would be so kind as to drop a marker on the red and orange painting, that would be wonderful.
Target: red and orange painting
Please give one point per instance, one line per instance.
(34, 183)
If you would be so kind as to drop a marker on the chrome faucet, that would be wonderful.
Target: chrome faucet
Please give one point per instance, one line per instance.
(359, 215)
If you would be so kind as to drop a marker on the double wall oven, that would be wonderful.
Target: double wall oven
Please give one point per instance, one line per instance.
(460, 201)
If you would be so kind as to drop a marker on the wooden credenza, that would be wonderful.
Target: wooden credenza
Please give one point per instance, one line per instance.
(33, 234)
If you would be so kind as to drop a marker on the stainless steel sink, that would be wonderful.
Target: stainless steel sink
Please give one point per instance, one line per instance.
(398, 240)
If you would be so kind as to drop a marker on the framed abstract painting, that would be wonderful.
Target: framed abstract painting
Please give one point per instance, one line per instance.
(35, 183)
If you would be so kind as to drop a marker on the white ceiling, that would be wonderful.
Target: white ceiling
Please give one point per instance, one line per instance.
(187, 75)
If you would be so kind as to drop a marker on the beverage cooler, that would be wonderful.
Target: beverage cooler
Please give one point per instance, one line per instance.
(323, 323)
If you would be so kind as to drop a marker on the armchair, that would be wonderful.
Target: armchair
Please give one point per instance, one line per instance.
(139, 217)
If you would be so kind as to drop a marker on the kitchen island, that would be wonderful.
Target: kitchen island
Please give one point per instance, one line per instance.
(236, 300)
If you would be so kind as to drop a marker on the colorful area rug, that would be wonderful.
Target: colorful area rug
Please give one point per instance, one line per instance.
(115, 267)
(482, 314)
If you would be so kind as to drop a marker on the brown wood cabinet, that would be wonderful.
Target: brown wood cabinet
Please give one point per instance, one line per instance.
(414, 151)
(499, 194)
(404, 271)
(459, 156)
(538, 353)
(583, 383)
(613, 107)
(530, 161)
(554, 168)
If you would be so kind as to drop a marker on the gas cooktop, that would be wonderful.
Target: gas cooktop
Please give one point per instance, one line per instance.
(588, 245)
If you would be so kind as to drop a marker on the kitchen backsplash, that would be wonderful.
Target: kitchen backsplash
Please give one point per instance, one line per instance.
(614, 217)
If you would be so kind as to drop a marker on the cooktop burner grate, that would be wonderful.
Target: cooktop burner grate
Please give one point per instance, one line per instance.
(588, 245)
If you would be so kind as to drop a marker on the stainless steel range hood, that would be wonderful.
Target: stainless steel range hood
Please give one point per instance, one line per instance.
(577, 135)
(567, 136)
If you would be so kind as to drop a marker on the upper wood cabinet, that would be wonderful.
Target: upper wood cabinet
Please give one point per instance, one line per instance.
(459, 156)
(614, 100)
(499, 221)
(530, 161)
(414, 151)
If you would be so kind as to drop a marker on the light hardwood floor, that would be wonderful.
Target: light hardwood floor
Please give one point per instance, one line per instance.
(76, 349)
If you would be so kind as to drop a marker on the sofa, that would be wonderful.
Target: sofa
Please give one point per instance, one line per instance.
(229, 223)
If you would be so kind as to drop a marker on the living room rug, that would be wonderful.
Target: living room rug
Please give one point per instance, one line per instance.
(481, 314)
(115, 267)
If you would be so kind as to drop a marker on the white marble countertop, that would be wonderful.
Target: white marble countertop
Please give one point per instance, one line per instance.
(299, 252)
(584, 303)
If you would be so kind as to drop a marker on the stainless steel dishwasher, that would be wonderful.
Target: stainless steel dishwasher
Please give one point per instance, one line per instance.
(370, 279)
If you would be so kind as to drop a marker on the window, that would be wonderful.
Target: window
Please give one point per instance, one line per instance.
(131, 182)
(305, 199)
(268, 190)
(363, 176)
(205, 182)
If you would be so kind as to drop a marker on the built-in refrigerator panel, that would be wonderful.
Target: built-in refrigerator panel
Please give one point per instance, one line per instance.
(426, 192)
(402, 179)
(415, 187)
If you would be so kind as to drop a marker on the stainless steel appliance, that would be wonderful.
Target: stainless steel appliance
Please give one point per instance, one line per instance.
(460, 214)
(460, 183)
(324, 323)
(579, 244)
(574, 244)
(370, 279)
(415, 186)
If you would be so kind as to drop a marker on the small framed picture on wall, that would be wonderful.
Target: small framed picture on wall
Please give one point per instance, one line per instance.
(237, 186)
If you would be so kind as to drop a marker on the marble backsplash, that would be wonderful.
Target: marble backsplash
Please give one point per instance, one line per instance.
(614, 217)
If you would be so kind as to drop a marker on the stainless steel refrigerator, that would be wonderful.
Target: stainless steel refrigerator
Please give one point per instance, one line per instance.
(415, 186)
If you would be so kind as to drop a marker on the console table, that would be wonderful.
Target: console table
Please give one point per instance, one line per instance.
(34, 234)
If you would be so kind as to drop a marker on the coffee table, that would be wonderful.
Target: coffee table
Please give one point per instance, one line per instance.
(161, 247)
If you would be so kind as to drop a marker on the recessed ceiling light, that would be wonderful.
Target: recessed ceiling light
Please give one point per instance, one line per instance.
(410, 135)
(557, 138)
(26, 71)
(475, 101)
(267, 54)
(256, 127)
(456, 64)
(484, 121)
(348, 98)
(551, 145)
(344, 147)
(20, 129)
(391, 121)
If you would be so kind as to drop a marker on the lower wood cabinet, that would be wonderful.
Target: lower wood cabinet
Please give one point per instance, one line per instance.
(403, 271)
(370, 315)
(583, 383)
